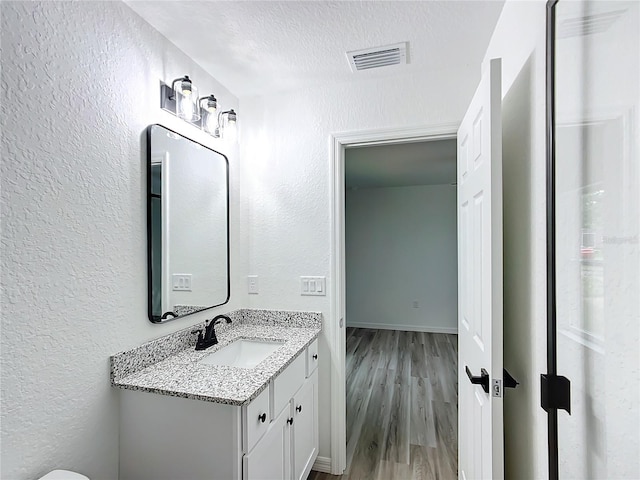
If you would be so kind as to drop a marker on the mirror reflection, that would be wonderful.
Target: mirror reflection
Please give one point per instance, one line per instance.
(188, 225)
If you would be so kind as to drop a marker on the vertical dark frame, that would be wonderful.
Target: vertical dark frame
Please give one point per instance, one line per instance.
(153, 318)
(552, 361)
(555, 390)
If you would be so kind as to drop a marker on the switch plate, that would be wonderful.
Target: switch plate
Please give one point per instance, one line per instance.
(316, 286)
(181, 282)
(253, 284)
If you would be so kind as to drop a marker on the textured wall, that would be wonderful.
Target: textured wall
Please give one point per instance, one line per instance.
(286, 178)
(401, 248)
(79, 86)
(519, 39)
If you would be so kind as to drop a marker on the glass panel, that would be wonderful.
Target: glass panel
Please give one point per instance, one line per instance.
(188, 226)
(597, 61)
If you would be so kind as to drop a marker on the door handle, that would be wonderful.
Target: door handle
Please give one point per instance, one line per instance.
(482, 380)
(509, 381)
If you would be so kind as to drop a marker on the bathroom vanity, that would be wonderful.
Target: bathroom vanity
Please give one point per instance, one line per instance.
(184, 416)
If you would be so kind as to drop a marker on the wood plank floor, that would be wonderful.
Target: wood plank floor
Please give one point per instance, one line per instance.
(402, 406)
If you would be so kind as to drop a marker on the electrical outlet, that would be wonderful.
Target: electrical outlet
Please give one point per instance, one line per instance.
(416, 304)
(316, 286)
(253, 284)
(181, 282)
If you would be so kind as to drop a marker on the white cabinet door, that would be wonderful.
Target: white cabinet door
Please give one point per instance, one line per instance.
(270, 459)
(305, 428)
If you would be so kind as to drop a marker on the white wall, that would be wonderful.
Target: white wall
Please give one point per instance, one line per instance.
(401, 248)
(286, 178)
(519, 38)
(80, 83)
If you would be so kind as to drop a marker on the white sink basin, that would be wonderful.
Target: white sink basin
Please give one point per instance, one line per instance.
(242, 353)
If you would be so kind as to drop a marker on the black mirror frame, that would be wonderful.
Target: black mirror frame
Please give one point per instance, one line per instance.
(164, 318)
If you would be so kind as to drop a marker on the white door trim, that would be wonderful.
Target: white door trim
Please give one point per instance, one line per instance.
(336, 332)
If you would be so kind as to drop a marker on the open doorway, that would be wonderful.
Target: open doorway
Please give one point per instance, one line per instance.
(418, 336)
(401, 310)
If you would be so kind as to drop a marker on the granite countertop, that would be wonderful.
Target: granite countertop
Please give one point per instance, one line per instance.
(180, 374)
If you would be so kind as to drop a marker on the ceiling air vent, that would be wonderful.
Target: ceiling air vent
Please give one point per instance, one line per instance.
(378, 57)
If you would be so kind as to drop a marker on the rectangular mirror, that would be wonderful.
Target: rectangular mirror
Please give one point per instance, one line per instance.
(188, 225)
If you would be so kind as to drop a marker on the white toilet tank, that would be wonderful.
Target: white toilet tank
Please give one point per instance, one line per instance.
(63, 475)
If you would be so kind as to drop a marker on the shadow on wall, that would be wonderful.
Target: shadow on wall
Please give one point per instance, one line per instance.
(518, 157)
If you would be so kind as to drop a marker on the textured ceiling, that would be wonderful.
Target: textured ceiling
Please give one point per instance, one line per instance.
(256, 48)
(401, 165)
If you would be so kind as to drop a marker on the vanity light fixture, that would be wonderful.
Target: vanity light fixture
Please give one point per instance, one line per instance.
(209, 107)
(185, 94)
(181, 99)
(227, 125)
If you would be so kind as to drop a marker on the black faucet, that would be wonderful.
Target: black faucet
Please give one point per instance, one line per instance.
(209, 338)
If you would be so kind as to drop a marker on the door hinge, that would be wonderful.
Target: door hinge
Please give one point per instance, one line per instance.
(555, 393)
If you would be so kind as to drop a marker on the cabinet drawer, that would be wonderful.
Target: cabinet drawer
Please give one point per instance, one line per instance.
(256, 420)
(288, 383)
(312, 357)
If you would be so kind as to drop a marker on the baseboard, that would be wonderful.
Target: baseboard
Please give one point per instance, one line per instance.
(322, 464)
(406, 328)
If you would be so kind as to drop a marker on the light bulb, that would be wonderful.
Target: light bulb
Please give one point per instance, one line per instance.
(186, 86)
(187, 100)
(211, 122)
(230, 128)
(211, 105)
(186, 107)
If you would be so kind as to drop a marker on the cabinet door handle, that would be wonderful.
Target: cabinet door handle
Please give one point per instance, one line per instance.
(299, 408)
(290, 421)
(315, 356)
(263, 417)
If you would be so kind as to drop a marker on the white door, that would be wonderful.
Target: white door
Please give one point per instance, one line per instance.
(480, 425)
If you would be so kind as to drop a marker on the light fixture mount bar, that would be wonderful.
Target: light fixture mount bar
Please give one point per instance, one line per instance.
(167, 99)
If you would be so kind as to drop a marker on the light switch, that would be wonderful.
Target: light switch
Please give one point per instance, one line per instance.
(313, 286)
